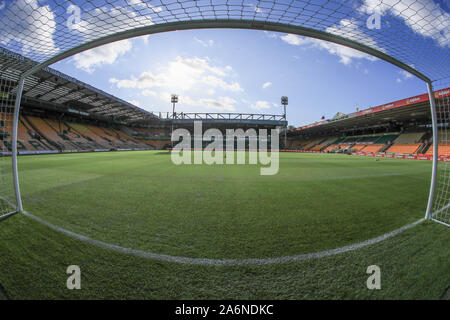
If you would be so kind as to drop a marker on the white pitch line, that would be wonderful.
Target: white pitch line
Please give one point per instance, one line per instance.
(224, 262)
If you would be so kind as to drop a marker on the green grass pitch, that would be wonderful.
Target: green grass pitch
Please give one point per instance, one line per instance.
(141, 200)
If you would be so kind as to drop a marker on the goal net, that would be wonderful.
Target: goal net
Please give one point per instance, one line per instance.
(441, 208)
(8, 91)
(414, 35)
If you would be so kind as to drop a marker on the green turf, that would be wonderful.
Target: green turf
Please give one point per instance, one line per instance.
(141, 200)
(33, 260)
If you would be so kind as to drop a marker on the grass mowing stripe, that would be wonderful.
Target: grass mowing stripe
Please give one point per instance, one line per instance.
(34, 259)
(141, 200)
(224, 262)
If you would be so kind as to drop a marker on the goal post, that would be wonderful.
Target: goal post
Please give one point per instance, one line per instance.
(428, 213)
(440, 186)
(14, 146)
(10, 98)
(411, 35)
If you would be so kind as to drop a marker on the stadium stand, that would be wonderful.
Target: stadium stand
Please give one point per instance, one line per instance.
(349, 140)
(337, 147)
(297, 144)
(386, 139)
(43, 128)
(358, 147)
(323, 144)
(28, 140)
(311, 143)
(36, 134)
(317, 147)
(404, 148)
(443, 149)
(367, 143)
(374, 148)
(407, 143)
(411, 138)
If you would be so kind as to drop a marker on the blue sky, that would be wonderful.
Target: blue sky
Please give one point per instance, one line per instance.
(241, 71)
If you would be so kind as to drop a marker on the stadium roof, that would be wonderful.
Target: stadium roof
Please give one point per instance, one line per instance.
(231, 118)
(66, 93)
(415, 108)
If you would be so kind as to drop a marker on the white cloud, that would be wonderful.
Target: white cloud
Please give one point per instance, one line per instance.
(182, 75)
(141, 4)
(346, 28)
(135, 102)
(296, 40)
(270, 35)
(208, 43)
(106, 54)
(424, 17)
(266, 84)
(349, 28)
(220, 104)
(220, 83)
(147, 93)
(404, 75)
(196, 80)
(32, 25)
(346, 54)
(106, 21)
(110, 20)
(260, 105)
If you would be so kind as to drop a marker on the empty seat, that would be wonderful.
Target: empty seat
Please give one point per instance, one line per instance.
(374, 148)
(404, 148)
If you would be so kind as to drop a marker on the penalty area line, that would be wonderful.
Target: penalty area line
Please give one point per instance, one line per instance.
(224, 262)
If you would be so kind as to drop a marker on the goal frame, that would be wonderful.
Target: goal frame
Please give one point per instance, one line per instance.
(229, 24)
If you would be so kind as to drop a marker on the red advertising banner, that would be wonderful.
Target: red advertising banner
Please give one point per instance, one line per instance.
(401, 156)
(382, 155)
(396, 104)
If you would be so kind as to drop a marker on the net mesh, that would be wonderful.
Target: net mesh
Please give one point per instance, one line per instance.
(441, 201)
(414, 32)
